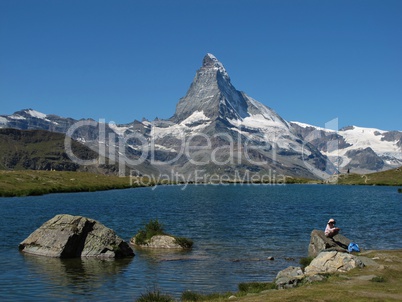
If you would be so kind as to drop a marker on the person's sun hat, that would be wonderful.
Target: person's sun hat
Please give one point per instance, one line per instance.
(331, 220)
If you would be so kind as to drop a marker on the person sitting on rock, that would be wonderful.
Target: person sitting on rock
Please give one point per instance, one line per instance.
(331, 230)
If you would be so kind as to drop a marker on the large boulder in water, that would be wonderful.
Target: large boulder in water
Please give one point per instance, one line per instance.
(319, 242)
(67, 236)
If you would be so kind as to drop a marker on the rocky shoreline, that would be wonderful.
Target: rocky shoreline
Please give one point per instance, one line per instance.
(378, 280)
(332, 270)
(334, 274)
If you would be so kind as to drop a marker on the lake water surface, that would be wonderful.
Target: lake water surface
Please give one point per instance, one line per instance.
(234, 229)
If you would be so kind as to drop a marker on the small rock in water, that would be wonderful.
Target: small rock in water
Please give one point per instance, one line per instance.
(270, 258)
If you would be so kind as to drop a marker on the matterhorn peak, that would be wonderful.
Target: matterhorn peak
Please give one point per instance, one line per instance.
(210, 61)
(211, 93)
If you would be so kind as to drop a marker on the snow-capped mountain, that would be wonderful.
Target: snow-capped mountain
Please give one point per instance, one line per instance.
(222, 130)
(357, 149)
(32, 119)
(29, 119)
(218, 130)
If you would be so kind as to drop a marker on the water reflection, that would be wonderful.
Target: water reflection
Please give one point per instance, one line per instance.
(81, 275)
(159, 255)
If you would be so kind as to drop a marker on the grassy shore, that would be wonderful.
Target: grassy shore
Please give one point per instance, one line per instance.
(386, 178)
(380, 282)
(35, 182)
(30, 182)
(371, 283)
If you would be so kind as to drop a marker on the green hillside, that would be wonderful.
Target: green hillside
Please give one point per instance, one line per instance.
(41, 150)
(386, 178)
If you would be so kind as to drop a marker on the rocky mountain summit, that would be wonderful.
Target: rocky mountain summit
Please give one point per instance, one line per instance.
(219, 130)
(212, 93)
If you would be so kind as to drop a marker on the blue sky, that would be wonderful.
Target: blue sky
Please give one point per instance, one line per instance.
(311, 61)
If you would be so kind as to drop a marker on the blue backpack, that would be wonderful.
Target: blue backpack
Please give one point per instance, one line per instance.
(353, 247)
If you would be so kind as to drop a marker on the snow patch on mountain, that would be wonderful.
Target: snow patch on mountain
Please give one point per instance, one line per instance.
(264, 119)
(17, 117)
(192, 124)
(147, 123)
(361, 138)
(196, 117)
(258, 128)
(257, 122)
(268, 113)
(265, 125)
(164, 148)
(304, 125)
(36, 114)
(3, 120)
(120, 130)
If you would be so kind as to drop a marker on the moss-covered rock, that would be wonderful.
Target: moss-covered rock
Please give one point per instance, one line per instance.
(153, 236)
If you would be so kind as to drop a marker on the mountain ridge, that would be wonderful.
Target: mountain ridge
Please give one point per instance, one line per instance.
(117, 128)
(214, 121)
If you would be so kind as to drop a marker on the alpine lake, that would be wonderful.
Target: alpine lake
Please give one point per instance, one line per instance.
(235, 228)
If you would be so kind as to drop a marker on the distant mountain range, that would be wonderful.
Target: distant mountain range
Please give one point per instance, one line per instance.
(220, 131)
(357, 149)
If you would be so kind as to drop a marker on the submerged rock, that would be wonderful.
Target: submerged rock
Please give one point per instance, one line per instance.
(67, 236)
